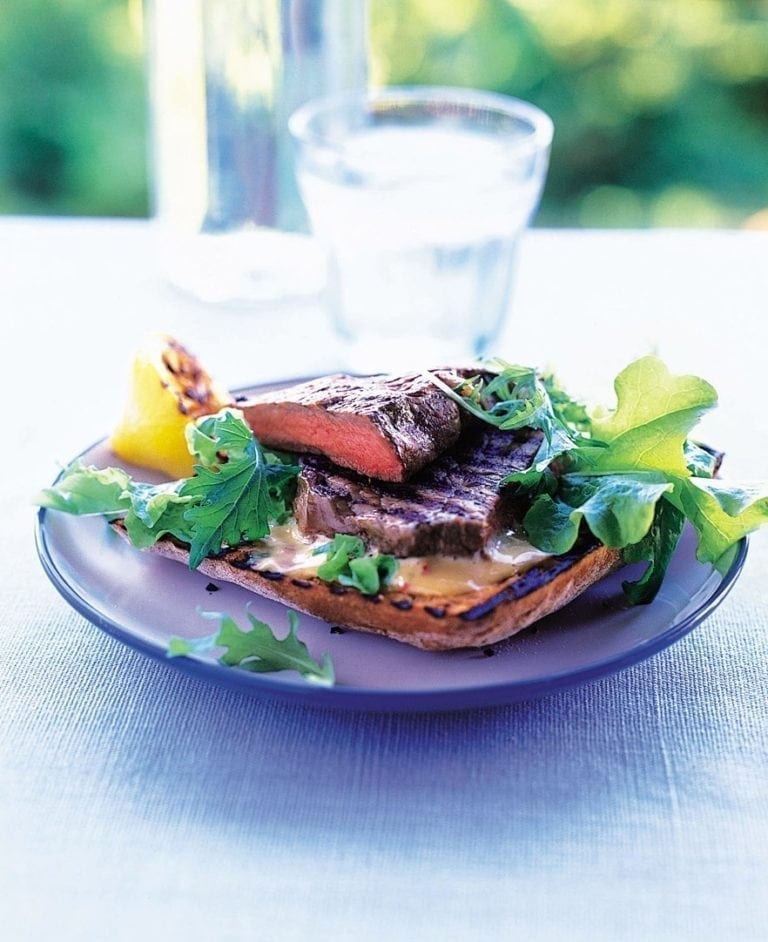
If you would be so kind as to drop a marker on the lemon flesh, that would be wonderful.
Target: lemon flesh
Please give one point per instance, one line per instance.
(168, 389)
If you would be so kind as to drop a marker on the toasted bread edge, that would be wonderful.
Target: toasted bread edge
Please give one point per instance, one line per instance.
(439, 623)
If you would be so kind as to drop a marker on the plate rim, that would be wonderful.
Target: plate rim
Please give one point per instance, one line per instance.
(370, 698)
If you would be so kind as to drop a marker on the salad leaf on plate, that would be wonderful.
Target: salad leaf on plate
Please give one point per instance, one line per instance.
(259, 649)
(347, 563)
(722, 514)
(648, 429)
(238, 490)
(632, 476)
(512, 397)
(700, 461)
(156, 510)
(618, 509)
(655, 548)
(86, 490)
(235, 499)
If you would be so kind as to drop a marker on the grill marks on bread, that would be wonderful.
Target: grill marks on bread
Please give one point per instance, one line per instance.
(438, 624)
(384, 427)
(449, 508)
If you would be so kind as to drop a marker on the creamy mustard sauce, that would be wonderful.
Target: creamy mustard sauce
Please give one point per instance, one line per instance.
(287, 550)
(505, 556)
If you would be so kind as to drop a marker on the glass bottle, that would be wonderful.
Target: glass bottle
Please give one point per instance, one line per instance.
(225, 75)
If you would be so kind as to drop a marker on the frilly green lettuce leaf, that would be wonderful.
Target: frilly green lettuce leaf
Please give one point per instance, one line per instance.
(654, 416)
(619, 510)
(656, 547)
(237, 491)
(87, 490)
(721, 513)
(634, 475)
(699, 461)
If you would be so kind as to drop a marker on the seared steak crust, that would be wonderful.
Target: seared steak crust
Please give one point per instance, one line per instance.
(386, 427)
(451, 507)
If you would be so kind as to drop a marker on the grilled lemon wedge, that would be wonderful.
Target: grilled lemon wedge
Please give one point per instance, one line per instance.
(168, 389)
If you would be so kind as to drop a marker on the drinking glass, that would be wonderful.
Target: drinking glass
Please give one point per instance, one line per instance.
(419, 196)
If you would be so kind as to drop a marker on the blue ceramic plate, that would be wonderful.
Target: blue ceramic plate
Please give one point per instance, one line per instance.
(144, 600)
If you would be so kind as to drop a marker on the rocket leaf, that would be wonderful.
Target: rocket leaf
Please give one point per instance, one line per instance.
(258, 650)
(237, 491)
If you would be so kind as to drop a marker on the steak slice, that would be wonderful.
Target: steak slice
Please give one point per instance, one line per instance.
(451, 507)
(386, 427)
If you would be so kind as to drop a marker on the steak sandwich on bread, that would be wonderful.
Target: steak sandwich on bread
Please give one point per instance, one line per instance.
(398, 464)
(444, 509)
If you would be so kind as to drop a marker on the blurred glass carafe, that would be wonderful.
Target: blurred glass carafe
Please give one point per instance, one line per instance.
(225, 76)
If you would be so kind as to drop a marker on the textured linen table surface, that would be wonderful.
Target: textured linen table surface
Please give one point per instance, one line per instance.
(138, 803)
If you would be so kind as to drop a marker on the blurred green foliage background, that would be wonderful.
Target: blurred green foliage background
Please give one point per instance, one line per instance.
(660, 106)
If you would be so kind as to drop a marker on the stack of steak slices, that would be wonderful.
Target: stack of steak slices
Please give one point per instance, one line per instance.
(452, 507)
(398, 462)
(395, 461)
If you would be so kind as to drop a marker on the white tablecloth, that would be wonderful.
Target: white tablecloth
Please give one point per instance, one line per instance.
(137, 803)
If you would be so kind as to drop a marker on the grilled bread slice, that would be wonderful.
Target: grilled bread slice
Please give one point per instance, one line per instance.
(437, 623)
